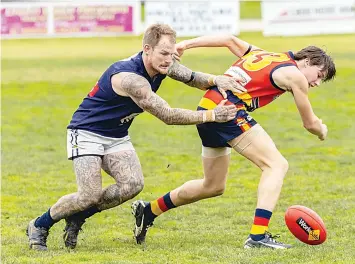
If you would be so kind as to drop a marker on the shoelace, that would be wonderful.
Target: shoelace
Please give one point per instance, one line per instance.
(43, 236)
(145, 227)
(148, 225)
(272, 238)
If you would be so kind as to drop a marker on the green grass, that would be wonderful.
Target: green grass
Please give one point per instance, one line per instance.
(43, 81)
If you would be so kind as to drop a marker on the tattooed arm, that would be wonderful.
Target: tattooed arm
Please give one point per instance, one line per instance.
(183, 74)
(202, 80)
(138, 88)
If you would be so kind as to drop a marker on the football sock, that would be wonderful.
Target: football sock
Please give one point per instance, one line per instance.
(260, 225)
(157, 207)
(45, 221)
(85, 214)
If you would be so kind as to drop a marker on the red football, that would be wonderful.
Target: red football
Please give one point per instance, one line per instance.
(306, 225)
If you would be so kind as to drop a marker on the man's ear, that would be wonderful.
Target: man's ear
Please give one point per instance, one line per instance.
(306, 62)
(147, 49)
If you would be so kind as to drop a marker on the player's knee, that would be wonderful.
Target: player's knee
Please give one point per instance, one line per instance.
(215, 190)
(87, 200)
(285, 165)
(281, 165)
(137, 185)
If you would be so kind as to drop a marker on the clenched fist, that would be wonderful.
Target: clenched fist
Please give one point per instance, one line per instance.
(224, 113)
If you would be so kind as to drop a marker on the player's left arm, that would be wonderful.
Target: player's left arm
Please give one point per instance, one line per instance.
(203, 81)
(291, 79)
(236, 45)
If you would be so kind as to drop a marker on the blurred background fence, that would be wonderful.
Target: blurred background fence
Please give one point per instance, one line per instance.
(33, 19)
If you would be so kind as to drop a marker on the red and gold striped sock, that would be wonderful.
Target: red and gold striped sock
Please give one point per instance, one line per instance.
(260, 225)
(158, 206)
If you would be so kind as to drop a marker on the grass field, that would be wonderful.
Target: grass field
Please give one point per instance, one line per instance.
(43, 82)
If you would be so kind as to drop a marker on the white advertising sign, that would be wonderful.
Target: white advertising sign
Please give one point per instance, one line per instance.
(298, 18)
(194, 17)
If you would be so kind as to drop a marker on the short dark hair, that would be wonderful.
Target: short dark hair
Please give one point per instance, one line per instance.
(318, 57)
(154, 33)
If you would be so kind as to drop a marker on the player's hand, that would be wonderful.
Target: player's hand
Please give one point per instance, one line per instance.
(224, 113)
(179, 50)
(324, 132)
(232, 84)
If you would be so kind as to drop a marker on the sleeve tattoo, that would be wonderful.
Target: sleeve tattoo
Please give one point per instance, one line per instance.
(140, 91)
(181, 73)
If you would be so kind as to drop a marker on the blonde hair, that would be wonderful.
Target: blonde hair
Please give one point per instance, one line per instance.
(154, 33)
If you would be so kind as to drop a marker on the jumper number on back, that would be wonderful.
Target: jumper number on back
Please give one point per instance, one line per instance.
(255, 61)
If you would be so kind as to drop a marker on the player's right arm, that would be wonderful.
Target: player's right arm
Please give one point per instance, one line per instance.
(139, 89)
(292, 80)
(237, 46)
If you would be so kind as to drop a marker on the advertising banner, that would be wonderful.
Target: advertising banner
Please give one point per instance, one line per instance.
(298, 18)
(70, 19)
(194, 17)
(93, 19)
(24, 20)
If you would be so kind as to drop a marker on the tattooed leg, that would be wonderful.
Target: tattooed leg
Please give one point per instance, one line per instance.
(89, 180)
(125, 168)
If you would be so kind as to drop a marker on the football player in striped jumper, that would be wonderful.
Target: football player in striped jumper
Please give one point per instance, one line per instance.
(266, 75)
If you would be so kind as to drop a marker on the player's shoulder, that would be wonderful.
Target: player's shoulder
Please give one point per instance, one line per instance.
(124, 83)
(292, 73)
(288, 77)
(134, 78)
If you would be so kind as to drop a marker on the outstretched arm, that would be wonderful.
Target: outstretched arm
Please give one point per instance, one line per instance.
(237, 46)
(138, 88)
(202, 80)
